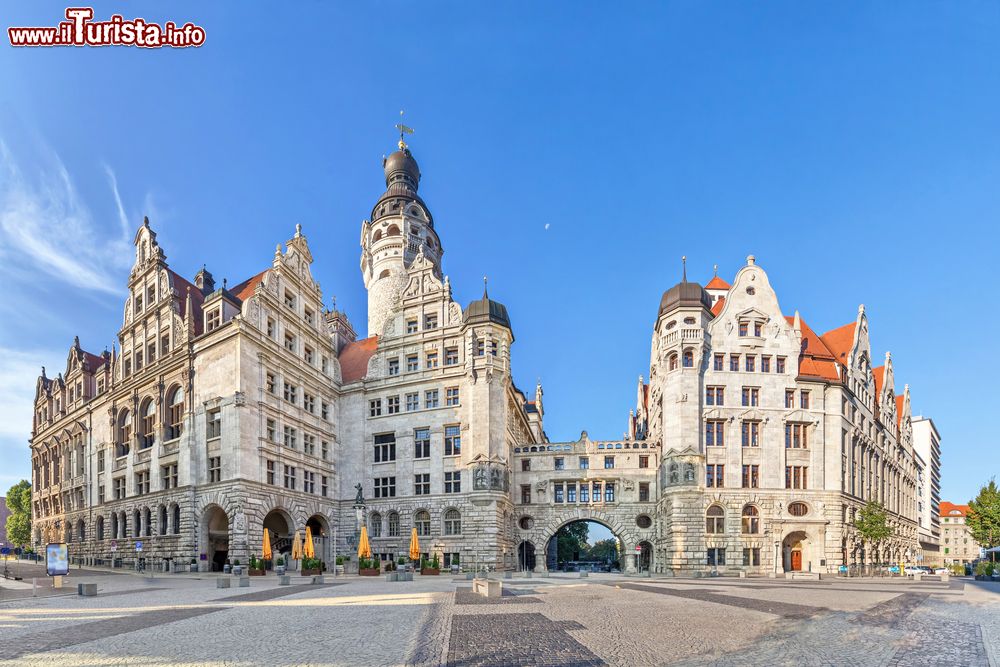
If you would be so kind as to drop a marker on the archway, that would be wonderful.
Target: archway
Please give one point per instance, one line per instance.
(526, 556)
(794, 550)
(584, 544)
(215, 536)
(320, 528)
(280, 525)
(645, 556)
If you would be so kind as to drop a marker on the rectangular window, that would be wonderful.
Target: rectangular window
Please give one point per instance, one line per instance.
(595, 495)
(452, 440)
(584, 463)
(309, 444)
(558, 489)
(751, 363)
(716, 556)
(525, 465)
(164, 344)
(422, 443)
(168, 476)
(119, 487)
(451, 396)
(422, 484)
(214, 469)
(100, 462)
(411, 326)
(290, 477)
(751, 557)
(643, 492)
(734, 362)
(412, 402)
(450, 356)
(325, 449)
(290, 300)
(308, 481)
(757, 329)
(290, 341)
(453, 482)
(609, 462)
(272, 328)
(525, 494)
(393, 368)
(715, 433)
(271, 466)
(795, 477)
(100, 494)
(750, 434)
(307, 354)
(375, 407)
(751, 476)
(214, 319)
(644, 461)
(271, 383)
(412, 363)
(715, 396)
(780, 365)
(584, 493)
(142, 483)
(291, 393)
(430, 321)
(385, 447)
(431, 399)
(432, 360)
(324, 410)
(796, 436)
(325, 487)
(560, 463)
(385, 487)
(150, 353)
(291, 437)
(609, 492)
(765, 364)
(751, 396)
(804, 400)
(715, 476)
(571, 493)
(392, 405)
(789, 398)
(719, 362)
(213, 424)
(744, 328)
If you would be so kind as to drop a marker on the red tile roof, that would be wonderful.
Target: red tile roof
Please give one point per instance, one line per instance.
(717, 306)
(354, 358)
(245, 289)
(879, 374)
(717, 283)
(947, 508)
(840, 341)
(816, 359)
(899, 409)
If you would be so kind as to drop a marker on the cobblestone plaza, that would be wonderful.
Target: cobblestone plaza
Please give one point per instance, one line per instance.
(556, 620)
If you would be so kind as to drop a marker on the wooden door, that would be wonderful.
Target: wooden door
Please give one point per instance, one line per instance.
(796, 561)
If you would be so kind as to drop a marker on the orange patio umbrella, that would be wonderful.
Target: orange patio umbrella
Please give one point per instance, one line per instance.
(297, 546)
(309, 550)
(364, 548)
(265, 552)
(414, 546)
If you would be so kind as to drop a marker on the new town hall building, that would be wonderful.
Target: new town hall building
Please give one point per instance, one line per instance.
(225, 410)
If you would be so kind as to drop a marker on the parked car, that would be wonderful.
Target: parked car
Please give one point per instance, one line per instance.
(912, 569)
(941, 570)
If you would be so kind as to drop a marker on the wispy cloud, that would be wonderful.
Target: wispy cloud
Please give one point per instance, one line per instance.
(19, 371)
(46, 226)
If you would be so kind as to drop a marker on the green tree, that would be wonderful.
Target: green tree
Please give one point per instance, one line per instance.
(571, 541)
(19, 521)
(872, 524)
(604, 550)
(983, 519)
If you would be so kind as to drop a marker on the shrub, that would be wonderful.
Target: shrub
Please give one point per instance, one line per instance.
(236, 562)
(454, 559)
(401, 560)
(435, 563)
(984, 569)
(340, 560)
(281, 560)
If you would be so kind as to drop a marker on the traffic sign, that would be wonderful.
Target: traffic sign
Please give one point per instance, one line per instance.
(138, 545)
(638, 549)
(114, 545)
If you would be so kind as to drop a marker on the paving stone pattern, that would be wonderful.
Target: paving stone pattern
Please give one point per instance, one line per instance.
(782, 609)
(516, 640)
(464, 596)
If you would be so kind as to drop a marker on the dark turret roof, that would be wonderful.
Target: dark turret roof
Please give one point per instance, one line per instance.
(685, 295)
(486, 310)
(402, 178)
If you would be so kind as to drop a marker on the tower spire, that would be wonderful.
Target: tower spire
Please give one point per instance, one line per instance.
(684, 264)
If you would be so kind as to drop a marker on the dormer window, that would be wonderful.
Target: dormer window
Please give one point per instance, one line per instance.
(214, 319)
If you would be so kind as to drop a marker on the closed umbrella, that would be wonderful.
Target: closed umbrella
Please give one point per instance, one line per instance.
(414, 546)
(297, 546)
(265, 551)
(309, 550)
(364, 548)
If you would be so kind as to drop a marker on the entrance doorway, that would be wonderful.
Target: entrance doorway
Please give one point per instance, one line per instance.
(645, 556)
(215, 536)
(584, 544)
(526, 556)
(279, 524)
(795, 549)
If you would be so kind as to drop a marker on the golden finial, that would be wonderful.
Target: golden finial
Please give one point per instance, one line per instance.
(403, 130)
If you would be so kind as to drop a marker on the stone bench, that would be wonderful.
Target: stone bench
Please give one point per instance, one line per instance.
(808, 576)
(488, 588)
(86, 590)
(284, 580)
(318, 579)
(583, 574)
(223, 582)
(244, 581)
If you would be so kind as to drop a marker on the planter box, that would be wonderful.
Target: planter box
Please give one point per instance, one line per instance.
(391, 576)
(430, 570)
(369, 572)
(311, 573)
(284, 580)
(256, 573)
(280, 570)
(404, 576)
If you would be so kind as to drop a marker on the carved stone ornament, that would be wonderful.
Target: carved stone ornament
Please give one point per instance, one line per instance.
(240, 522)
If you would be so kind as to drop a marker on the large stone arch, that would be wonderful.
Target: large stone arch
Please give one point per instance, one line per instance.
(546, 528)
(215, 536)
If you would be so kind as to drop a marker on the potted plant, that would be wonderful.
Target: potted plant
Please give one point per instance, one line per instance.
(432, 567)
(368, 567)
(984, 571)
(280, 566)
(256, 567)
(311, 566)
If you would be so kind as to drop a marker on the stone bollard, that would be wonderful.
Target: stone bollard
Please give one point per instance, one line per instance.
(284, 580)
(584, 573)
(223, 582)
(945, 577)
(743, 574)
(391, 576)
(318, 579)
(916, 576)
(469, 576)
(86, 590)
(527, 574)
(245, 581)
(508, 574)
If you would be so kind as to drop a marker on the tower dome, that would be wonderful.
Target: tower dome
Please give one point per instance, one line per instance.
(402, 178)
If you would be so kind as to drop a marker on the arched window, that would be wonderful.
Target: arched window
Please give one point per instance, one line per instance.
(124, 433)
(147, 425)
(384, 274)
(430, 242)
(751, 520)
(175, 412)
(393, 524)
(377, 236)
(114, 526)
(148, 529)
(689, 358)
(177, 519)
(452, 522)
(715, 520)
(422, 522)
(81, 530)
(163, 520)
(392, 231)
(375, 524)
(137, 524)
(100, 528)
(798, 509)
(672, 363)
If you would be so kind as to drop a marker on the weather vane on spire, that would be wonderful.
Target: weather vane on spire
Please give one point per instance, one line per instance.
(403, 130)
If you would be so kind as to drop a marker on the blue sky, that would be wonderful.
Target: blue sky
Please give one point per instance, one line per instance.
(570, 152)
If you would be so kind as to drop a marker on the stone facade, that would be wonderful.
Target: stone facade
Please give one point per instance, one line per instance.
(957, 544)
(226, 411)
